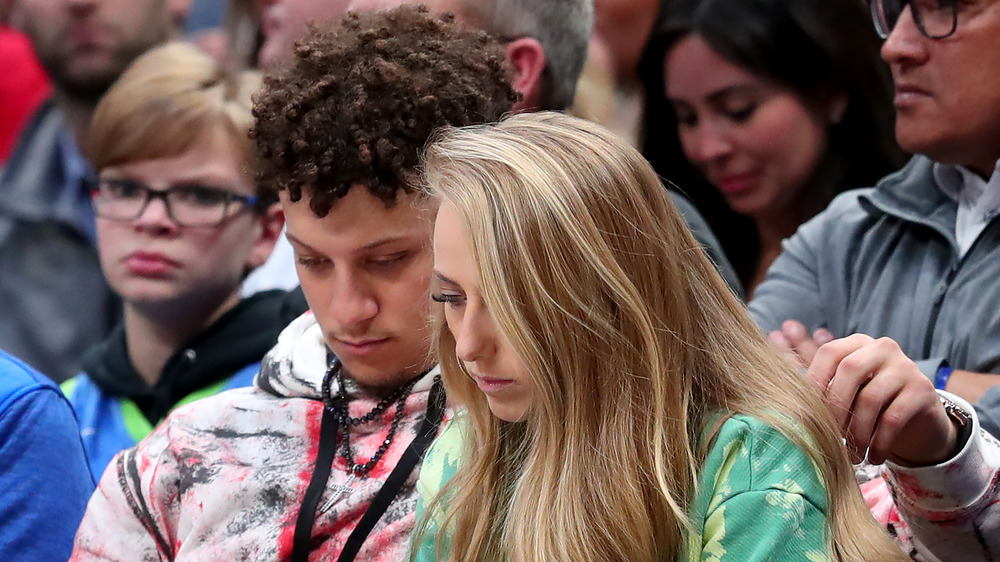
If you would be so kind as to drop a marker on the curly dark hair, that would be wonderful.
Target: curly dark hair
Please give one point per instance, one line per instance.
(359, 99)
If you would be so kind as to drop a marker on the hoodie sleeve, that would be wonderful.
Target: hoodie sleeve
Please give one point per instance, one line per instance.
(950, 511)
(132, 515)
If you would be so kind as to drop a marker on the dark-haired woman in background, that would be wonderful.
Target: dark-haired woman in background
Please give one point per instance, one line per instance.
(778, 104)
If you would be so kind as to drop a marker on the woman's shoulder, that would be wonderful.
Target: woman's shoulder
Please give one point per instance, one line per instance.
(748, 454)
(441, 461)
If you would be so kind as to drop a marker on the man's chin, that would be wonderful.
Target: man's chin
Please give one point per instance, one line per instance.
(379, 376)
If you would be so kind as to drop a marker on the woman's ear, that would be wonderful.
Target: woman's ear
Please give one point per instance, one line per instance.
(271, 223)
(527, 57)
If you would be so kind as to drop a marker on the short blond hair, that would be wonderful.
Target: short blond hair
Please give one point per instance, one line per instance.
(165, 100)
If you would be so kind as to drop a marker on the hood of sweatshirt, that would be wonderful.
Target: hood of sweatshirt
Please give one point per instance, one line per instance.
(295, 367)
(238, 338)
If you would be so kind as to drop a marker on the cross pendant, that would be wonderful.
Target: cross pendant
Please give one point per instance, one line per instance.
(338, 491)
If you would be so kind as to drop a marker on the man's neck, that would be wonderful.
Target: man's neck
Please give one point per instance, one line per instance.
(152, 339)
(78, 114)
(984, 169)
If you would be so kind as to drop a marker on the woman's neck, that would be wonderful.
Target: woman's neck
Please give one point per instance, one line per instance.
(152, 336)
(771, 230)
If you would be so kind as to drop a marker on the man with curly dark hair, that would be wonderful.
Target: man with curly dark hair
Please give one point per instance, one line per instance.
(546, 46)
(321, 456)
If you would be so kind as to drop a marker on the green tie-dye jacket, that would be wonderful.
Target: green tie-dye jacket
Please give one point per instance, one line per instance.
(760, 497)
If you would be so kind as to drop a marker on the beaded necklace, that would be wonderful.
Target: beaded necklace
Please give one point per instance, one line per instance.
(337, 405)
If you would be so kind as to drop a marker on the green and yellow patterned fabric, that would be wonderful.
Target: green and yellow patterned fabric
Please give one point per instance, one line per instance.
(760, 497)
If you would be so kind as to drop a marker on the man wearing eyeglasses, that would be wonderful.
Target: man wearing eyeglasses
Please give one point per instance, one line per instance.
(913, 261)
(914, 258)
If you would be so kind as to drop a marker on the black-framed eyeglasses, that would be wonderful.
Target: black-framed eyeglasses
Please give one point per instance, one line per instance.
(936, 19)
(187, 204)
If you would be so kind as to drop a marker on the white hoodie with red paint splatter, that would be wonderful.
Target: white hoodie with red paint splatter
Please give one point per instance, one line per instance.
(223, 478)
(948, 512)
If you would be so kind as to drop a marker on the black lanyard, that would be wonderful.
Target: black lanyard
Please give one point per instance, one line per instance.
(302, 542)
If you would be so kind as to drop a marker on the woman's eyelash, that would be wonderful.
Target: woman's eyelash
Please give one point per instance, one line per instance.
(447, 298)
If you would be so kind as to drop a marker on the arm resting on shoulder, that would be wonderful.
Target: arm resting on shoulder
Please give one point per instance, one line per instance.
(948, 511)
(971, 386)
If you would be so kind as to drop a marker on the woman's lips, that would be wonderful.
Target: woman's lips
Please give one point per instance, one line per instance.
(491, 385)
(150, 264)
(736, 183)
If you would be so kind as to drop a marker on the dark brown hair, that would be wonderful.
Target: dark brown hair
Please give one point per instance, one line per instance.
(360, 98)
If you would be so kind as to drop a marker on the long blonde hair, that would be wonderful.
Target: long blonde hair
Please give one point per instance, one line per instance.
(632, 341)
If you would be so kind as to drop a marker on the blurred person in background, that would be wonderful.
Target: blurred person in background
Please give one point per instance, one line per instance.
(56, 301)
(547, 45)
(611, 91)
(282, 22)
(25, 84)
(779, 104)
(179, 225)
(914, 257)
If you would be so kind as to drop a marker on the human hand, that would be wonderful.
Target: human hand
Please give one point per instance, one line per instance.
(882, 402)
(794, 341)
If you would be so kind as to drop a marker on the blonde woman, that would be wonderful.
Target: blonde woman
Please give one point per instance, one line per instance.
(621, 405)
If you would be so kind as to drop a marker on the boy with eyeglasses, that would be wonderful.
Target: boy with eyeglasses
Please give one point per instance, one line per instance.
(179, 225)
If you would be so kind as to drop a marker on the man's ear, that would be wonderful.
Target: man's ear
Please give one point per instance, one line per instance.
(271, 221)
(527, 57)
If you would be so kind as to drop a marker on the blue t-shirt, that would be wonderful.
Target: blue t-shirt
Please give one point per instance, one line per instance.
(44, 479)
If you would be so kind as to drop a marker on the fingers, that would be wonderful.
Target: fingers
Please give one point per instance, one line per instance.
(829, 357)
(800, 341)
(780, 343)
(880, 400)
(897, 416)
(877, 415)
(822, 336)
(914, 429)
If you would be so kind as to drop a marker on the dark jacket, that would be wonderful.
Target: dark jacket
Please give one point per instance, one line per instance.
(117, 408)
(54, 301)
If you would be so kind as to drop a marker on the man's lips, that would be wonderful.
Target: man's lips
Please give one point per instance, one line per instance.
(909, 93)
(150, 264)
(361, 347)
(86, 34)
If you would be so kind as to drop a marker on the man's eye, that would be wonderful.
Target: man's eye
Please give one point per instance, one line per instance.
(388, 261)
(310, 262)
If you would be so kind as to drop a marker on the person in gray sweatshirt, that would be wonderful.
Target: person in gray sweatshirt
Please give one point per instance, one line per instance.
(912, 258)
